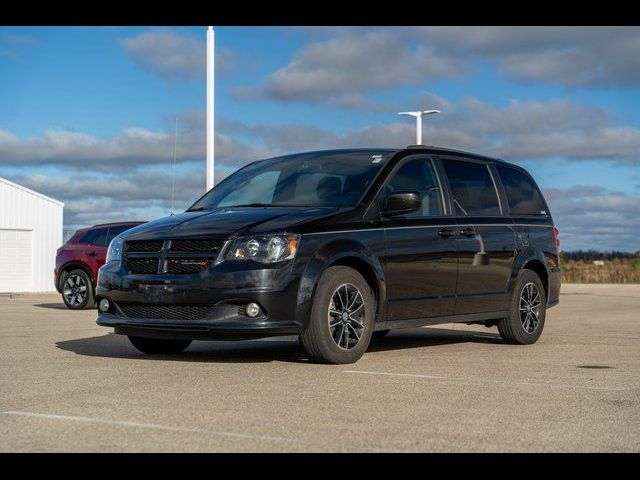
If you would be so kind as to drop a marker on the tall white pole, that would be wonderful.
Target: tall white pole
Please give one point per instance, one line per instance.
(210, 108)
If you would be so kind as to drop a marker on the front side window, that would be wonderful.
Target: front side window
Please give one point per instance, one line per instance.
(418, 175)
(472, 188)
(97, 237)
(320, 179)
(522, 193)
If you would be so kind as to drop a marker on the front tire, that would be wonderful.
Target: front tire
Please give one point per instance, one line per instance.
(524, 324)
(157, 346)
(342, 316)
(77, 290)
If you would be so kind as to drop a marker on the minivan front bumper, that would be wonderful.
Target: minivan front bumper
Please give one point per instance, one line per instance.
(207, 305)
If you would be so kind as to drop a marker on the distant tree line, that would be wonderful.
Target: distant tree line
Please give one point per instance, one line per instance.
(590, 255)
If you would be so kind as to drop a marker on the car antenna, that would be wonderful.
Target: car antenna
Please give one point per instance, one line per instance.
(418, 116)
(173, 182)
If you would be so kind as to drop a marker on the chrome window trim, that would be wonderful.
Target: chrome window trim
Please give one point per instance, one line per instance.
(433, 226)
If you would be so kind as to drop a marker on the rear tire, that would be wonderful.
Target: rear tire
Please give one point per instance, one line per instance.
(77, 290)
(341, 323)
(524, 324)
(159, 345)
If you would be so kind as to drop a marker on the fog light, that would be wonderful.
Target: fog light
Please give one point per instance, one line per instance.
(253, 310)
(104, 305)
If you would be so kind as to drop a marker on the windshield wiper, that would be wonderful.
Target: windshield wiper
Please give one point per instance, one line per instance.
(199, 209)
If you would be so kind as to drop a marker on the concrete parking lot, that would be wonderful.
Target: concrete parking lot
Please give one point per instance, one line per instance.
(69, 385)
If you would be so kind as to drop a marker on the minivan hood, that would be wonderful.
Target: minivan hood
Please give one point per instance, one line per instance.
(224, 222)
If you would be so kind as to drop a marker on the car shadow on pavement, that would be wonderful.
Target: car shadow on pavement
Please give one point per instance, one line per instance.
(252, 351)
(282, 349)
(58, 306)
(430, 337)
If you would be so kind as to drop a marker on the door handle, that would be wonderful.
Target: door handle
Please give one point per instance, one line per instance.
(446, 232)
(468, 232)
(92, 254)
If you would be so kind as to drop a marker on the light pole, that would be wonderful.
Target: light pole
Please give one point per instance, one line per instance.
(210, 108)
(418, 116)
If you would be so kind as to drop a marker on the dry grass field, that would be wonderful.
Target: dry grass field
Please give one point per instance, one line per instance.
(617, 270)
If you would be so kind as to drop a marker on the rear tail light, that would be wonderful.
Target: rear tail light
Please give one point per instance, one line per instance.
(556, 238)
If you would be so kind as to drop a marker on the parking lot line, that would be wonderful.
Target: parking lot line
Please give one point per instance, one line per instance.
(469, 381)
(155, 426)
(120, 423)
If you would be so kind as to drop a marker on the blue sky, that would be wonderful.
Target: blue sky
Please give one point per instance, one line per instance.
(87, 113)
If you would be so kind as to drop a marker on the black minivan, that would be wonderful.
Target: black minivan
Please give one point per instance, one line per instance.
(336, 247)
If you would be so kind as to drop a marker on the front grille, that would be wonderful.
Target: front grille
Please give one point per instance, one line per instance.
(143, 265)
(209, 246)
(185, 265)
(178, 257)
(137, 246)
(167, 312)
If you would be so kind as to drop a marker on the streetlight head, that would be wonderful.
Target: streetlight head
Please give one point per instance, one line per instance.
(419, 116)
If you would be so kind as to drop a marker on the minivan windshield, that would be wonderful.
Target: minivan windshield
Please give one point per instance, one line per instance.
(320, 179)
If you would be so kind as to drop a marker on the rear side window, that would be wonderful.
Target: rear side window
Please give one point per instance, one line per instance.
(96, 237)
(472, 188)
(522, 193)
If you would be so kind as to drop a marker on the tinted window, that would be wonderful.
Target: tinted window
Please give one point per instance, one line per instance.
(419, 176)
(311, 179)
(115, 231)
(522, 193)
(95, 237)
(472, 188)
(259, 189)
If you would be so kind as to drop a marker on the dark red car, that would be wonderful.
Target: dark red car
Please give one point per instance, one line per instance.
(78, 261)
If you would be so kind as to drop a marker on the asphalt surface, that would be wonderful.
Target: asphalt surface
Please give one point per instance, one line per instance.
(68, 385)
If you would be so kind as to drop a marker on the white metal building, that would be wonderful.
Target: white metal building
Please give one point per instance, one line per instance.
(30, 234)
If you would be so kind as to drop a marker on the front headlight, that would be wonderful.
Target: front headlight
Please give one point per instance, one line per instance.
(114, 253)
(264, 248)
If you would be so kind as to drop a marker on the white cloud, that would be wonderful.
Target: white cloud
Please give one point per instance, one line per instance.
(335, 69)
(352, 61)
(567, 55)
(517, 131)
(11, 43)
(174, 56)
(132, 148)
(594, 217)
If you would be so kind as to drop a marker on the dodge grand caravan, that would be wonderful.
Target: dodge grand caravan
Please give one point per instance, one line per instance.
(336, 247)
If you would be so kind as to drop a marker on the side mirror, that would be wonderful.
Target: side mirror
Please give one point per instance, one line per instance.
(399, 203)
